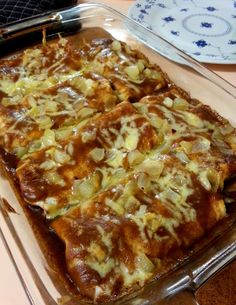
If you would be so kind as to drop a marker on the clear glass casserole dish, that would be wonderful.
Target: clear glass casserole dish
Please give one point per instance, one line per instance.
(208, 257)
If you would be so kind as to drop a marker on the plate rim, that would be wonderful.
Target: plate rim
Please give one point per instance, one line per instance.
(204, 59)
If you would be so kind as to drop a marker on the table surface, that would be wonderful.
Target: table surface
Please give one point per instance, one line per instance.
(221, 290)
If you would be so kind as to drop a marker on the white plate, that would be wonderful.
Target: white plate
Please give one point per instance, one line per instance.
(204, 29)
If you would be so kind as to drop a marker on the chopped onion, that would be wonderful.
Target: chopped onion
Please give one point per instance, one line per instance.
(132, 71)
(45, 122)
(150, 73)
(51, 200)
(203, 179)
(180, 104)
(20, 151)
(231, 139)
(70, 149)
(155, 222)
(128, 49)
(86, 86)
(88, 136)
(193, 167)
(131, 202)
(151, 167)
(85, 112)
(31, 100)
(86, 189)
(115, 158)
(147, 72)
(144, 182)
(165, 146)
(144, 263)
(130, 188)
(35, 111)
(135, 157)
(116, 45)
(155, 120)
(96, 179)
(50, 205)
(201, 145)
(182, 157)
(97, 154)
(48, 138)
(61, 157)
(116, 176)
(116, 206)
(226, 129)
(168, 102)
(51, 106)
(48, 164)
(140, 65)
(136, 81)
(36, 145)
(54, 178)
(187, 146)
(214, 179)
(193, 120)
(97, 251)
(63, 133)
(222, 144)
(6, 101)
(132, 139)
(172, 196)
(81, 124)
(142, 108)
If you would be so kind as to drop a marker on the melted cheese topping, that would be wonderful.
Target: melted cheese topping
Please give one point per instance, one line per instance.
(126, 166)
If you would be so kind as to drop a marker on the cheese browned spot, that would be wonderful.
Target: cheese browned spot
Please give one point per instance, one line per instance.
(126, 167)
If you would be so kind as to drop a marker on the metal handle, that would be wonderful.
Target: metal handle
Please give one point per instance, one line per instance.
(31, 24)
(41, 21)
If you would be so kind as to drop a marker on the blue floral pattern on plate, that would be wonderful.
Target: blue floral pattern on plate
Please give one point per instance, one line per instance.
(206, 25)
(176, 33)
(211, 9)
(168, 19)
(192, 25)
(201, 43)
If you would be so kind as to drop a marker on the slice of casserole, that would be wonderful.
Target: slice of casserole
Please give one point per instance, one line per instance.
(70, 171)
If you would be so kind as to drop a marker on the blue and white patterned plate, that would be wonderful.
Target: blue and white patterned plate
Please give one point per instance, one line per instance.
(204, 29)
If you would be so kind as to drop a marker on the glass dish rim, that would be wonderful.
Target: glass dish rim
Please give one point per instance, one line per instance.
(194, 64)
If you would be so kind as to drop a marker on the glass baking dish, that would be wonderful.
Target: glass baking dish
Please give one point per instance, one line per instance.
(209, 255)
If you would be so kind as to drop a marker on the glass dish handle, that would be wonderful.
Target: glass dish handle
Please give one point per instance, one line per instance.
(222, 252)
(179, 286)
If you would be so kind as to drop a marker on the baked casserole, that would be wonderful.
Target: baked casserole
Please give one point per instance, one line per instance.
(125, 166)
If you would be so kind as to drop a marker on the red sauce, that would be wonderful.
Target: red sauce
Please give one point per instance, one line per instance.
(34, 187)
